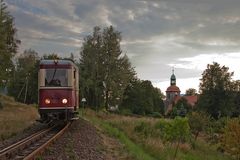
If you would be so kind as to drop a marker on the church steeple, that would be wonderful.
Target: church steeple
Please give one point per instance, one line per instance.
(172, 92)
(173, 79)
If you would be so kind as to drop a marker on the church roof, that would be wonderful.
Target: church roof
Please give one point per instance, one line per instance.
(173, 88)
(192, 100)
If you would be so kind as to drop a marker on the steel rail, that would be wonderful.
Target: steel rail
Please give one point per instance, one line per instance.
(45, 137)
(40, 149)
(7, 152)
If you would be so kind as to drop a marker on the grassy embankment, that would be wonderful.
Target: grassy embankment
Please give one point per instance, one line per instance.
(133, 149)
(15, 117)
(146, 143)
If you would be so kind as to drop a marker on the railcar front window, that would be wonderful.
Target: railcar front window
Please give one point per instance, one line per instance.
(56, 77)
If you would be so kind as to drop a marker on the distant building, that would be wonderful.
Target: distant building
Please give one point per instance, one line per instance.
(173, 95)
(192, 100)
(171, 92)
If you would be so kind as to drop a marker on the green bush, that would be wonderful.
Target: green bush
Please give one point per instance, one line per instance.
(174, 131)
(179, 130)
(164, 127)
(215, 129)
(219, 125)
(144, 129)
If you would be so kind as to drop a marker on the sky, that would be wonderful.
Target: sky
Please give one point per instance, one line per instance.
(157, 35)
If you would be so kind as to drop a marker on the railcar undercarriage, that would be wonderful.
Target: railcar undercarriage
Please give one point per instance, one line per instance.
(57, 114)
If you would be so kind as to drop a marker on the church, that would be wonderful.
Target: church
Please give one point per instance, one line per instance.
(173, 95)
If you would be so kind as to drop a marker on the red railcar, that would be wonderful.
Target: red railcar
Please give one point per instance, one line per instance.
(58, 86)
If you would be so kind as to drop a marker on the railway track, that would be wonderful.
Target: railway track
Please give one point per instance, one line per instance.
(31, 146)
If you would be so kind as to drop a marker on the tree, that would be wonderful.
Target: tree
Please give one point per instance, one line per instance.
(198, 122)
(105, 71)
(8, 43)
(24, 83)
(191, 92)
(116, 66)
(91, 68)
(236, 92)
(140, 97)
(216, 91)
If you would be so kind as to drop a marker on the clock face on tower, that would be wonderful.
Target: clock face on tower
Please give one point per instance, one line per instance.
(173, 82)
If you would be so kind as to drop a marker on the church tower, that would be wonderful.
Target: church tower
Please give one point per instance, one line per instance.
(173, 79)
(172, 92)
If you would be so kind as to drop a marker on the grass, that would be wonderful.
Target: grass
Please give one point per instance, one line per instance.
(15, 117)
(133, 149)
(147, 141)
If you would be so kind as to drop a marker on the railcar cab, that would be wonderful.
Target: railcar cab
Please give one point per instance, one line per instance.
(58, 89)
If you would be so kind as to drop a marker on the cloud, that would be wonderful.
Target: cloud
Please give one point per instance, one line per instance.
(157, 34)
(200, 62)
(198, 23)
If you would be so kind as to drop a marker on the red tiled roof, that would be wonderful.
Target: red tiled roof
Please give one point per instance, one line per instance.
(173, 89)
(192, 100)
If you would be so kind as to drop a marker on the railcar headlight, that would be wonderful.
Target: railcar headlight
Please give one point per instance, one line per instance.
(64, 101)
(47, 101)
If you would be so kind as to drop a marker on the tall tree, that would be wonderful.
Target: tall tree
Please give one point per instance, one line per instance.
(105, 71)
(90, 68)
(8, 43)
(216, 91)
(116, 66)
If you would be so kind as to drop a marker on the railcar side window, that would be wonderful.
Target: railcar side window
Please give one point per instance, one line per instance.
(56, 77)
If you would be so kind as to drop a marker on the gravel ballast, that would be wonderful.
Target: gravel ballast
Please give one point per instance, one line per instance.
(82, 141)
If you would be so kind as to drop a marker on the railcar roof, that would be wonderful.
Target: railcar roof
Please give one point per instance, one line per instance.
(61, 61)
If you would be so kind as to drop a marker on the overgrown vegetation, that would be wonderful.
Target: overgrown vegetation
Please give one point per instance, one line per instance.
(134, 150)
(161, 138)
(231, 138)
(198, 122)
(15, 117)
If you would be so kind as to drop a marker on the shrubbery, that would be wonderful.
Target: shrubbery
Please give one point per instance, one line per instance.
(231, 138)
(215, 129)
(198, 122)
(174, 131)
(144, 128)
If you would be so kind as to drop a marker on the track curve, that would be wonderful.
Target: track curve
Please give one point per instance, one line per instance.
(33, 145)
